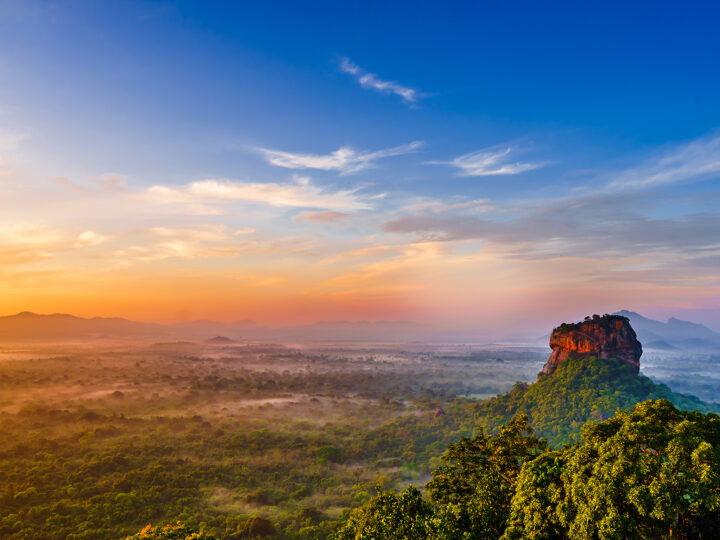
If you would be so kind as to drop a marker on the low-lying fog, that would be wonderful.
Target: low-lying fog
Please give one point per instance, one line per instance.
(218, 433)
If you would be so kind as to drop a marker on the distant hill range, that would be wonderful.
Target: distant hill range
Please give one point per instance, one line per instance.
(669, 336)
(220, 340)
(29, 326)
(59, 326)
(673, 335)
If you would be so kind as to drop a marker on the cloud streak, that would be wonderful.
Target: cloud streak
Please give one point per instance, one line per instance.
(345, 159)
(21, 244)
(491, 161)
(301, 193)
(591, 226)
(328, 216)
(696, 160)
(210, 241)
(369, 80)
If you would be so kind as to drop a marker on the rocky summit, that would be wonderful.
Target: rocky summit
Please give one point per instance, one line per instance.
(609, 336)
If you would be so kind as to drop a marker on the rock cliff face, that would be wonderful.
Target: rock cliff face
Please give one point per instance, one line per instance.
(610, 336)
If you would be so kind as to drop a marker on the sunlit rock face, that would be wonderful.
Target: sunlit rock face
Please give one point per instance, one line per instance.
(610, 336)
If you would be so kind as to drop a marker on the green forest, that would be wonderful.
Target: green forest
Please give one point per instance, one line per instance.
(238, 442)
(651, 473)
(592, 451)
(173, 442)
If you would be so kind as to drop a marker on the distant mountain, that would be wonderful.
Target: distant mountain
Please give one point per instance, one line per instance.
(27, 326)
(63, 327)
(220, 340)
(59, 326)
(673, 334)
(660, 346)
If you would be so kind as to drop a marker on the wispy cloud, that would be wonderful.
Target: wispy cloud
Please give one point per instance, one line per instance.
(619, 215)
(496, 160)
(696, 160)
(301, 193)
(89, 238)
(592, 226)
(179, 200)
(29, 235)
(372, 81)
(110, 182)
(345, 159)
(435, 206)
(328, 216)
(104, 182)
(206, 233)
(20, 244)
(210, 241)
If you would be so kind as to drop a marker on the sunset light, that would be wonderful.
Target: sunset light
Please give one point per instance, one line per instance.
(359, 270)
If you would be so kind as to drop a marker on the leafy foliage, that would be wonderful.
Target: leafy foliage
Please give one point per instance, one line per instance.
(607, 321)
(390, 516)
(650, 473)
(470, 492)
(473, 486)
(176, 531)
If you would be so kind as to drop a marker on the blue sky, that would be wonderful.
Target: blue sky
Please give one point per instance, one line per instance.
(591, 84)
(544, 133)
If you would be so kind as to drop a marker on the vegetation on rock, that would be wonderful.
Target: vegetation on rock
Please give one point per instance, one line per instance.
(580, 390)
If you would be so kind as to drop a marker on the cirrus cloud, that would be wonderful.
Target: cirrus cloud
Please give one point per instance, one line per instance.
(492, 161)
(301, 193)
(696, 160)
(328, 216)
(369, 80)
(345, 159)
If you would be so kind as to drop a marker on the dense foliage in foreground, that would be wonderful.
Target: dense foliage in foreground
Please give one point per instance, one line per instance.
(650, 473)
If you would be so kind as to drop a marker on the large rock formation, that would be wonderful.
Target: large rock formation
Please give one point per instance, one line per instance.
(609, 336)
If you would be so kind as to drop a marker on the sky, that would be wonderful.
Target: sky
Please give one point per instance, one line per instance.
(487, 166)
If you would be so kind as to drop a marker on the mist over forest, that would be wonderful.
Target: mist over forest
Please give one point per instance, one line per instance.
(244, 439)
(359, 270)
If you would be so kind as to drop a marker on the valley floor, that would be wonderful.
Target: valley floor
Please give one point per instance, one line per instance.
(100, 440)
